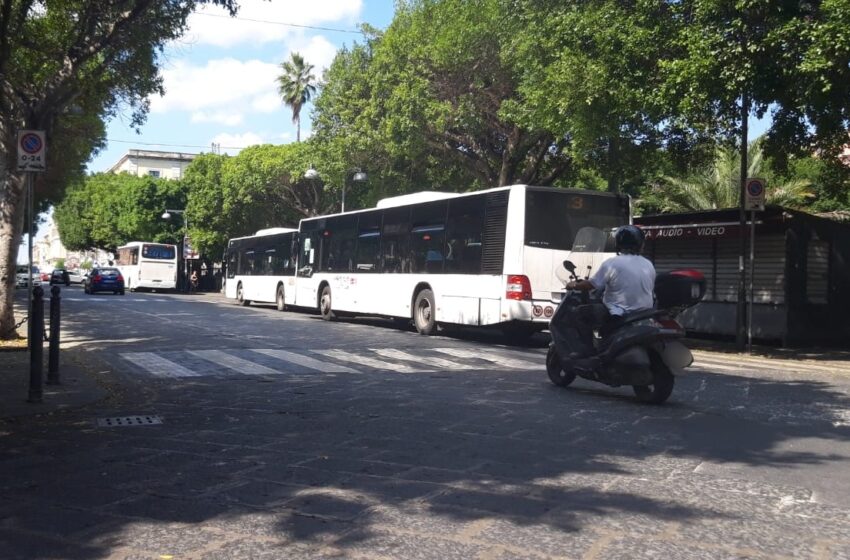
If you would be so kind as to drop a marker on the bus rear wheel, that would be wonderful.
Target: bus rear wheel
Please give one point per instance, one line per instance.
(424, 313)
(325, 304)
(240, 295)
(279, 300)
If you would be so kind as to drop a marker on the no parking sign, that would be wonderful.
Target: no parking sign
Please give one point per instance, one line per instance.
(754, 194)
(31, 148)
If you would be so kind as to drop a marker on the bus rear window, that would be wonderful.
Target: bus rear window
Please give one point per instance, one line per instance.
(553, 218)
(164, 252)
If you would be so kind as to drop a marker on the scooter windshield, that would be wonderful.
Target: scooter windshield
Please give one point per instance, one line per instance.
(590, 239)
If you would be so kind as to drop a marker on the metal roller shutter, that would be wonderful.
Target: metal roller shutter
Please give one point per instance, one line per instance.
(817, 271)
(769, 277)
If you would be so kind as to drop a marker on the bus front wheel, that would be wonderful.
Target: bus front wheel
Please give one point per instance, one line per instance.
(279, 300)
(424, 313)
(325, 304)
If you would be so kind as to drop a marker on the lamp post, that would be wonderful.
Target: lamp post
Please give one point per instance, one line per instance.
(356, 174)
(184, 267)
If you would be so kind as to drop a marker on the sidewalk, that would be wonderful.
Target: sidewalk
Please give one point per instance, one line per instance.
(76, 388)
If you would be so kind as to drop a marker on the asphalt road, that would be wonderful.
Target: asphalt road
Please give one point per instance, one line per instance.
(280, 435)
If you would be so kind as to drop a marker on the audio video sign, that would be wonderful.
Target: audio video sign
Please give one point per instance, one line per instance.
(31, 151)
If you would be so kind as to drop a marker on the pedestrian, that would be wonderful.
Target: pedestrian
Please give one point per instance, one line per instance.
(193, 281)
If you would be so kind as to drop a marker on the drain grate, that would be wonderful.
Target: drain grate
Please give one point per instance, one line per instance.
(117, 421)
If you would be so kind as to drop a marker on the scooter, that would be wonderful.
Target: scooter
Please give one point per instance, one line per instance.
(643, 349)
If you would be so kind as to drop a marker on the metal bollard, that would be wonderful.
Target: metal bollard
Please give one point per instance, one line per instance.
(53, 347)
(36, 342)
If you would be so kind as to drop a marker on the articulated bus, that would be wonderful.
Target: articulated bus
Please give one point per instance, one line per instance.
(147, 265)
(261, 267)
(481, 258)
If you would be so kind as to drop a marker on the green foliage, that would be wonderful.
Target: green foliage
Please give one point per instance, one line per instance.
(718, 185)
(59, 263)
(106, 210)
(262, 187)
(432, 104)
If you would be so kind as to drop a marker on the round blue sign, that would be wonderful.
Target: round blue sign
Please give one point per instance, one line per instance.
(755, 188)
(31, 143)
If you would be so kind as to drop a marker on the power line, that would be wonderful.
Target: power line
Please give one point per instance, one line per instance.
(282, 23)
(175, 145)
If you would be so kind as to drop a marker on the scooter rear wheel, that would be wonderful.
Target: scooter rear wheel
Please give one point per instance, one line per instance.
(662, 382)
(556, 373)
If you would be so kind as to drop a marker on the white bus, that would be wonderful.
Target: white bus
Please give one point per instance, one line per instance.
(261, 268)
(147, 265)
(482, 258)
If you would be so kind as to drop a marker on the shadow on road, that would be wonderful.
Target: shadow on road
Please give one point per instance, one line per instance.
(352, 461)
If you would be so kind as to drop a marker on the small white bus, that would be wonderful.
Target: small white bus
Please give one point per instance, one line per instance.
(147, 265)
(261, 268)
(481, 258)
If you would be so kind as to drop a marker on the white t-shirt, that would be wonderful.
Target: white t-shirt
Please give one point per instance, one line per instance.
(627, 283)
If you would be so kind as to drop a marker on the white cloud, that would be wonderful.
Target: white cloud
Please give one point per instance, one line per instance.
(232, 143)
(206, 26)
(316, 50)
(220, 117)
(225, 85)
(267, 102)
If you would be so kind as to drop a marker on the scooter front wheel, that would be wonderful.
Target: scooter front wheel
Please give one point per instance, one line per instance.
(662, 382)
(556, 373)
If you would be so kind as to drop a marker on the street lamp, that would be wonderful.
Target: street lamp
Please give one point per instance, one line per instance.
(356, 174)
(184, 268)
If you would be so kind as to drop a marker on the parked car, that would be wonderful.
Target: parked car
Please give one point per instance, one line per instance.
(104, 279)
(22, 277)
(60, 276)
(45, 276)
(75, 276)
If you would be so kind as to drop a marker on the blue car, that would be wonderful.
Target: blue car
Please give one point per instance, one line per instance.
(104, 280)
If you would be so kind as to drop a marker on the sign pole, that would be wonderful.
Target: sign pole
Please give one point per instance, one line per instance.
(29, 182)
(752, 274)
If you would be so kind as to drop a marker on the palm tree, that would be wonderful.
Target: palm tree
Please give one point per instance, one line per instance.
(718, 184)
(296, 86)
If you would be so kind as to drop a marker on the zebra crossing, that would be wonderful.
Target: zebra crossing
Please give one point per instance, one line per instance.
(274, 361)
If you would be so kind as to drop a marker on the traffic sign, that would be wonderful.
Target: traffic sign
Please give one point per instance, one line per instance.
(31, 150)
(754, 194)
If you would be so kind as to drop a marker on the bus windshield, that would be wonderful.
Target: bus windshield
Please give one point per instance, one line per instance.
(160, 252)
(552, 218)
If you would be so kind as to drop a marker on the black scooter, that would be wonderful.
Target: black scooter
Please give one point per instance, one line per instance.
(642, 350)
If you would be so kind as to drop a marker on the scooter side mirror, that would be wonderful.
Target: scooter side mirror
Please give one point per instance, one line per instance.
(570, 266)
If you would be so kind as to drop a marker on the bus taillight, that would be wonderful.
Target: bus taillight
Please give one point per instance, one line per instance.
(519, 287)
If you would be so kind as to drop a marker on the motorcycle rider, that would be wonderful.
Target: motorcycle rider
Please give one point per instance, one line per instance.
(626, 283)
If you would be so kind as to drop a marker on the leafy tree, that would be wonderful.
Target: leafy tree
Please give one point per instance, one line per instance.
(107, 210)
(588, 72)
(433, 103)
(296, 85)
(67, 63)
(262, 187)
(718, 185)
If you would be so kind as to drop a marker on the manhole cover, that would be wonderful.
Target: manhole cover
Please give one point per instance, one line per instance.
(117, 421)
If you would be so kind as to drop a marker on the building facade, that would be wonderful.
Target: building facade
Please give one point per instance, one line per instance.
(153, 163)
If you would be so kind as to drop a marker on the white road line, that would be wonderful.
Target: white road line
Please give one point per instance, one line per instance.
(157, 365)
(306, 361)
(490, 356)
(246, 367)
(423, 360)
(363, 360)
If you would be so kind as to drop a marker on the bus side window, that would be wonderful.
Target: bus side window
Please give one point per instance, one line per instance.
(464, 227)
(394, 240)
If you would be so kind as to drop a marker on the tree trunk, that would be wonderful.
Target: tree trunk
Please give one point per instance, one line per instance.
(12, 210)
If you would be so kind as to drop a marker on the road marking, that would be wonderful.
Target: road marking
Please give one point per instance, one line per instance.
(491, 356)
(422, 360)
(157, 365)
(306, 361)
(363, 360)
(238, 364)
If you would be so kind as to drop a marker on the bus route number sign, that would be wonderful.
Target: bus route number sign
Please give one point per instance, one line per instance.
(31, 151)
(754, 195)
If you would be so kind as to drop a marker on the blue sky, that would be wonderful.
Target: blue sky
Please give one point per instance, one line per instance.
(220, 76)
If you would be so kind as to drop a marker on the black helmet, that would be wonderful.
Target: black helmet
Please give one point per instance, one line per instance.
(628, 239)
